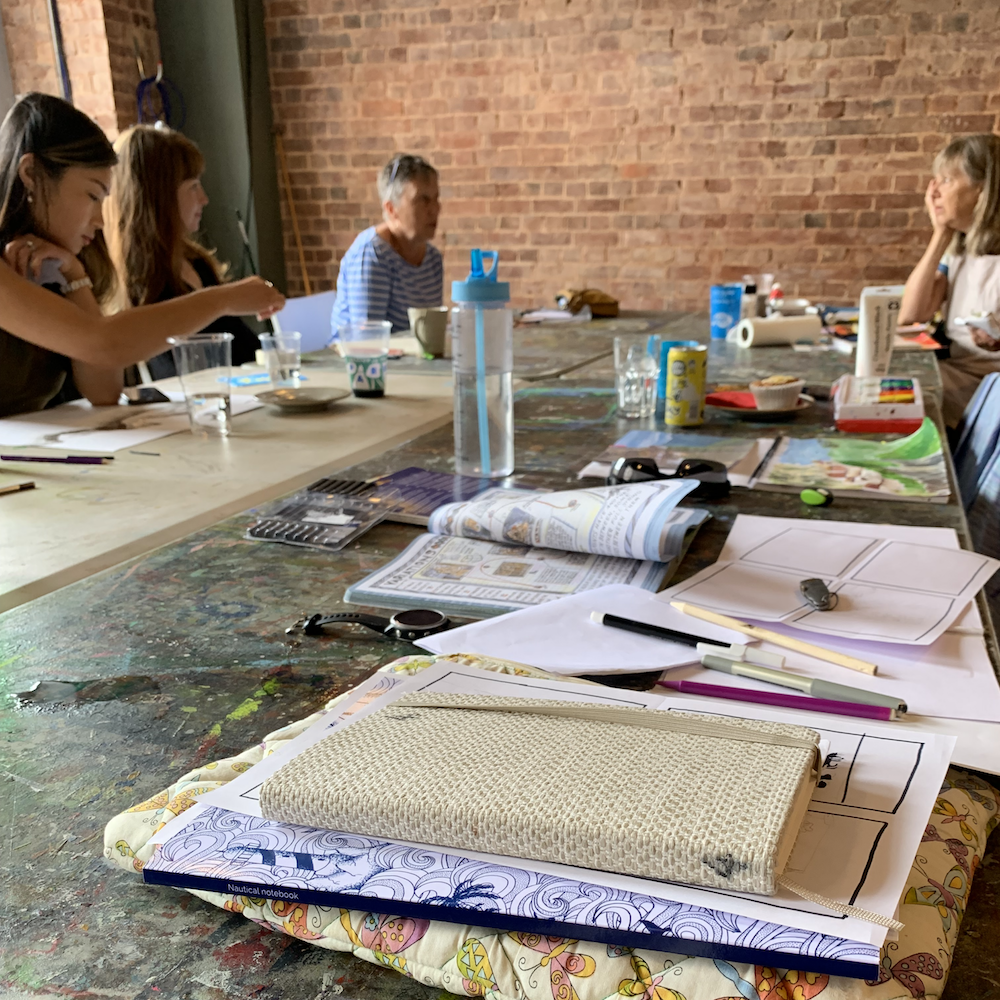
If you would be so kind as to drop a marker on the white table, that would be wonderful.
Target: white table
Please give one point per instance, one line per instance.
(82, 519)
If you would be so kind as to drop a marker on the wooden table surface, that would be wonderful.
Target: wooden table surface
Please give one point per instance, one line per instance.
(178, 656)
(83, 518)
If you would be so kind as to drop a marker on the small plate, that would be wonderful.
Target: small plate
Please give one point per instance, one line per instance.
(804, 402)
(302, 400)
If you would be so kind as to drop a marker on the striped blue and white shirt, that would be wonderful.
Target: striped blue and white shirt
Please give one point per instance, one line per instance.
(375, 283)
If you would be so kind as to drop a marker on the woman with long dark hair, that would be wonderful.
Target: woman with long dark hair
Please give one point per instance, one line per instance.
(55, 171)
(153, 214)
(51, 187)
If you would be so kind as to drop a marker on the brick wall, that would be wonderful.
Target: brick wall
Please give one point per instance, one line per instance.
(29, 46)
(647, 147)
(128, 22)
(85, 43)
(100, 54)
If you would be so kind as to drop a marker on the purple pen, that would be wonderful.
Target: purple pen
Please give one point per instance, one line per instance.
(879, 712)
(68, 460)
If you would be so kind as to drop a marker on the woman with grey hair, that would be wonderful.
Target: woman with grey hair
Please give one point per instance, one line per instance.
(959, 272)
(393, 267)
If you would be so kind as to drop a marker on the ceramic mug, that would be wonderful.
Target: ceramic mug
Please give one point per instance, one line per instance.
(430, 327)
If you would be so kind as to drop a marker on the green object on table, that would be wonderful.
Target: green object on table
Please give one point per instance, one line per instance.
(816, 498)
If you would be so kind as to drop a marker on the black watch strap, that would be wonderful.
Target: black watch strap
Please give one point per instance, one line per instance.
(313, 624)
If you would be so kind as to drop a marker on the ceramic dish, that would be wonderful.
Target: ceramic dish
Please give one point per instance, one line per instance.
(302, 400)
(752, 413)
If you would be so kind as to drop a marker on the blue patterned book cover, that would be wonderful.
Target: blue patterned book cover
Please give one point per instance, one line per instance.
(228, 852)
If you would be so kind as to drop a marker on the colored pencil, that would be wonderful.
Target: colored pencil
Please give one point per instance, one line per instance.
(782, 700)
(16, 487)
(68, 460)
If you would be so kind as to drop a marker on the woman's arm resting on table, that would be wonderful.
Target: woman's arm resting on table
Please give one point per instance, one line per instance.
(49, 321)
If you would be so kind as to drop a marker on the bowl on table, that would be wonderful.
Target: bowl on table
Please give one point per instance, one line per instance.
(302, 399)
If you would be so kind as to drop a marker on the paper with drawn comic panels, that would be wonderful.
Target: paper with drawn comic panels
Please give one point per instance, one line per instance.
(862, 830)
(897, 587)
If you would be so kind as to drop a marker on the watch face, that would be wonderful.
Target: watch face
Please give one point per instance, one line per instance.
(420, 618)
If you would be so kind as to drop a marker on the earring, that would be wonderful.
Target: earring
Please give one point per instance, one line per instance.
(31, 198)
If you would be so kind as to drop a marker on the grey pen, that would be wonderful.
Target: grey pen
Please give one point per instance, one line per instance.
(812, 686)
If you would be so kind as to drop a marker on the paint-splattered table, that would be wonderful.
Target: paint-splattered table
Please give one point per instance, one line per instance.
(180, 656)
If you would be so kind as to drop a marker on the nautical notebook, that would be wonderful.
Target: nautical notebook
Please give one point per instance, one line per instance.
(222, 851)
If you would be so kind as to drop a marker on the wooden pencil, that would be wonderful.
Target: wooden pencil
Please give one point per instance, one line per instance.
(766, 635)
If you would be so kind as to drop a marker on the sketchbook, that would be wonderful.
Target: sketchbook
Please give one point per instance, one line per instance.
(221, 851)
(863, 826)
(909, 468)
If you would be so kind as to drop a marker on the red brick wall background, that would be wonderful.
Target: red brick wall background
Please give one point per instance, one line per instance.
(646, 147)
(100, 54)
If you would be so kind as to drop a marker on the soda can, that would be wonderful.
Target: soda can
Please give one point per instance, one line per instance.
(724, 303)
(686, 373)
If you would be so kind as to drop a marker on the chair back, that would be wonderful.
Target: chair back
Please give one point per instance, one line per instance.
(310, 315)
(978, 438)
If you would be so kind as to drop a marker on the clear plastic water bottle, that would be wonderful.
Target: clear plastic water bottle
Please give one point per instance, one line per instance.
(482, 344)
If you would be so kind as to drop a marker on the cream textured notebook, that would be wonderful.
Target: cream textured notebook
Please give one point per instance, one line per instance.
(664, 795)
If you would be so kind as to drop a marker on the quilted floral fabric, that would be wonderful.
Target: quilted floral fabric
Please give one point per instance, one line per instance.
(501, 965)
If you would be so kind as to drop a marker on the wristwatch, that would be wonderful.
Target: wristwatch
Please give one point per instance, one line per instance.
(406, 625)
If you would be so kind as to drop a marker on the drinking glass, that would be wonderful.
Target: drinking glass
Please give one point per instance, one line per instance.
(365, 348)
(282, 356)
(635, 375)
(204, 365)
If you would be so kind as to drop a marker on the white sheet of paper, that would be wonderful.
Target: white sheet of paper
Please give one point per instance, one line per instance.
(559, 636)
(891, 589)
(78, 426)
(871, 827)
(951, 678)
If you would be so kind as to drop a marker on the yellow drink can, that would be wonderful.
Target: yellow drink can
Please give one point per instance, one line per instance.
(684, 405)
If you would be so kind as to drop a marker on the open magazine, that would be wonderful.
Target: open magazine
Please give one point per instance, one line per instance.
(509, 549)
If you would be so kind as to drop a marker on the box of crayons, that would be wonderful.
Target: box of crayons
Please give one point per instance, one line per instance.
(877, 405)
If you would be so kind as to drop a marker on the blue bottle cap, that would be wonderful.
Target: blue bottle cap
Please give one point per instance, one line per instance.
(480, 285)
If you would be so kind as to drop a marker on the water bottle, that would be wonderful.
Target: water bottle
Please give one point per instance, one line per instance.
(482, 344)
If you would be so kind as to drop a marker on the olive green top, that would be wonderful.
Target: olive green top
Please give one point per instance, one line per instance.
(30, 377)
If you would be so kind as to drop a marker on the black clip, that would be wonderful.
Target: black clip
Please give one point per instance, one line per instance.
(816, 592)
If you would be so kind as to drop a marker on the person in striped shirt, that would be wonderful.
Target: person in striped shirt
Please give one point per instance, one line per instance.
(393, 267)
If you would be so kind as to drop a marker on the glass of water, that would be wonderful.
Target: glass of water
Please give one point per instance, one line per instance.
(635, 375)
(283, 356)
(204, 364)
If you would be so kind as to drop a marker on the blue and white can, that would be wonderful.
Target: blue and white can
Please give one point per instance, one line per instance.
(724, 308)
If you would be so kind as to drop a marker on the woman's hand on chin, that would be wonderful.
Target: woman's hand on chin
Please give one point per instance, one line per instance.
(982, 339)
(27, 253)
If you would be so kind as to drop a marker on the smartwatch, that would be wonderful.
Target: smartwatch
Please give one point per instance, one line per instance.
(405, 625)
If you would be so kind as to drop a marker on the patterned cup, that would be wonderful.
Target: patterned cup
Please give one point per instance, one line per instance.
(367, 374)
(365, 349)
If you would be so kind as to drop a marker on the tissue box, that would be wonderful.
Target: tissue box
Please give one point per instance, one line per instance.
(877, 405)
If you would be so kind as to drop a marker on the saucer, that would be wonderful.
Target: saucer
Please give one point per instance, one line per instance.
(301, 400)
(804, 402)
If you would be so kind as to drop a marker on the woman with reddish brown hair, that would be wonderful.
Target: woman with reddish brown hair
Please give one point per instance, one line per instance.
(154, 212)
